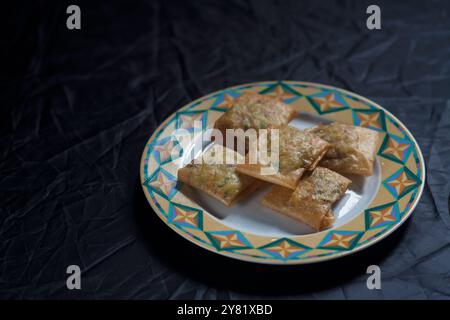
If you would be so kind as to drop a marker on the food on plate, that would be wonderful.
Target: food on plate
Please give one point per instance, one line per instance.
(298, 151)
(311, 202)
(252, 110)
(301, 166)
(212, 175)
(353, 148)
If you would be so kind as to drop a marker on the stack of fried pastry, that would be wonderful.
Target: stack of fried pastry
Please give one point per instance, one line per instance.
(309, 177)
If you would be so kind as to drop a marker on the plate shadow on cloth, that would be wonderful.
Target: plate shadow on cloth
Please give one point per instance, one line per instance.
(214, 270)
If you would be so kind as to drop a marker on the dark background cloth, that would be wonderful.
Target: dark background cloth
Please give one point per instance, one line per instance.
(77, 108)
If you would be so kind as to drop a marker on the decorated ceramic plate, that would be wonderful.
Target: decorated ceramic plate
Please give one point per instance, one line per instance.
(371, 209)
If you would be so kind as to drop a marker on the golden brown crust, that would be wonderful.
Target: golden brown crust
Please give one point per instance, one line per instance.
(319, 158)
(327, 221)
(312, 200)
(354, 148)
(252, 110)
(298, 151)
(286, 180)
(184, 175)
(219, 180)
(251, 188)
(278, 199)
(322, 187)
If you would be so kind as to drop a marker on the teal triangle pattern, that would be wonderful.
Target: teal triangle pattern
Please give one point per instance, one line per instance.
(328, 101)
(401, 182)
(185, 217)
(284, 249)
(228, 240)
(283, 91)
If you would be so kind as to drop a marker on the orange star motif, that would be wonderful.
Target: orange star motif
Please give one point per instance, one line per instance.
(228, 240)
(341, 240)
(164, 150)
(227, 101)
(284, 249)
(279, 92)
(401, 183)
(327, 102)
(396, 148)
(369, 120)
(188, 121)
(185, 216)
(163, 183)
(382, 216)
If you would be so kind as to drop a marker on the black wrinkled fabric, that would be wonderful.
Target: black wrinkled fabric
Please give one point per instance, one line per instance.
(79, 106)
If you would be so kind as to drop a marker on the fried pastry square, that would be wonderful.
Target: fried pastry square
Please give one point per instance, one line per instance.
(298, 151)
(252, 110)
(353, 148)
(312, 200)
(212, 175)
